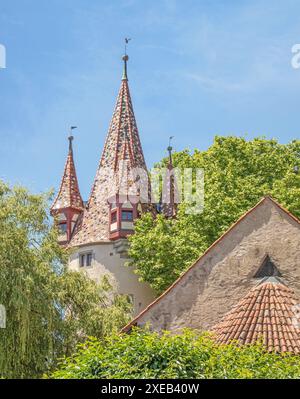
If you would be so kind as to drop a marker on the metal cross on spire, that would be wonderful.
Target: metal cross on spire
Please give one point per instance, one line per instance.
(125, 59)
(170, 148)
(71, 137)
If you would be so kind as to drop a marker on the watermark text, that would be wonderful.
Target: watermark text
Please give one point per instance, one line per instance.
(2, 56)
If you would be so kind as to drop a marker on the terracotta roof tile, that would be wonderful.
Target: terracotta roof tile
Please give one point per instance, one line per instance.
(122, 144)
(253, 318)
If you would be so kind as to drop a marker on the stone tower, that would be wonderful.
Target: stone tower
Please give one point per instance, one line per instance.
(99, 238)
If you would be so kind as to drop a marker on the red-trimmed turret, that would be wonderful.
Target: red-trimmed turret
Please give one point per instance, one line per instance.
(68, 204)
(128, 154)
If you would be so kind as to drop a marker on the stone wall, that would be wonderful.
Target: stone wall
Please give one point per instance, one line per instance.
(225, 273)
(109, 259)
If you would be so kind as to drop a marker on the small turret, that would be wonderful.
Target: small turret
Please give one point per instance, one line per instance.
(68, 204)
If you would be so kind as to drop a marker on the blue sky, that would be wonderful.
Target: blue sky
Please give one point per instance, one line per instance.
(197, 68)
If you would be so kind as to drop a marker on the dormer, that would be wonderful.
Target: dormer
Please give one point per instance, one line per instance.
(122, 214)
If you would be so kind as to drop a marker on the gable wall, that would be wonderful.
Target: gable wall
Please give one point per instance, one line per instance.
(225, 274)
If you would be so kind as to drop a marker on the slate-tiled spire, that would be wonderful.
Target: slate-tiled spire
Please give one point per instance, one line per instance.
(268, 312)
(69, 194)
(122, 145)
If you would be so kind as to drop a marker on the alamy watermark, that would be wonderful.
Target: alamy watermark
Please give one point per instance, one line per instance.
(2, 56)
(162, 186)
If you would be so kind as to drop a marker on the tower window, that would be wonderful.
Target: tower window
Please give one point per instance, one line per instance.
(62, 228)
(127, 216)
(86, 259)
(82, 260)
(89, 258)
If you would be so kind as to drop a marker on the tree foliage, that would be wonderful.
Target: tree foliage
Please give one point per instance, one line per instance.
(145, 354)
(238, 173)
(48, 309)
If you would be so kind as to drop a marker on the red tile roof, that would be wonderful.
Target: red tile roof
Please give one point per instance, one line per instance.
(122, 144)
(69, 194)
(267, 312)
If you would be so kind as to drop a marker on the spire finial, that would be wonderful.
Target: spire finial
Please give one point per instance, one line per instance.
(170, 148)
(71, 138)
(125, 58)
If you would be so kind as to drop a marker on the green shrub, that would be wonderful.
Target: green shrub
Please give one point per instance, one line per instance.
(145, 354)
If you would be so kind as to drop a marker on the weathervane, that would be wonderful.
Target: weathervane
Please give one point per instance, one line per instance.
(127, 39)
(71, 137)
(125, 59)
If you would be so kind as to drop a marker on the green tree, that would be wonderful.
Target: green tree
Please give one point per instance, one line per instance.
(238, 173)
(48, 309)
(145, 354)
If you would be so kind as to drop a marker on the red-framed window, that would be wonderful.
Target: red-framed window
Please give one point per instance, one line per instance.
(113, 218)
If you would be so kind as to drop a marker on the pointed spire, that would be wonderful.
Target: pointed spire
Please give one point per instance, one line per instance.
(125, 58)
(70, 138)
(69, 194)
(122, 151)
(123, 141)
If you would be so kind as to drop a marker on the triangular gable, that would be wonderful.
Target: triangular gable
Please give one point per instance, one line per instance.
(206, 253)
(267, 269)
